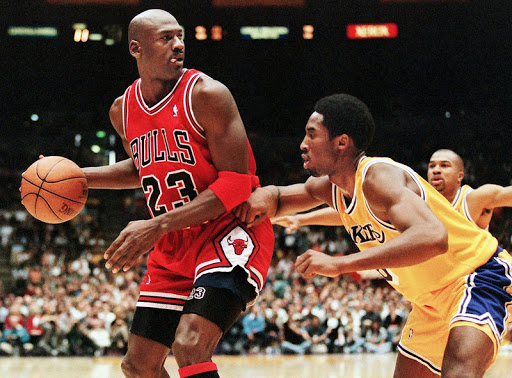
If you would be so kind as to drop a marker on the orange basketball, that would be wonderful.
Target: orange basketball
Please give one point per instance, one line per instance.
(53, 189)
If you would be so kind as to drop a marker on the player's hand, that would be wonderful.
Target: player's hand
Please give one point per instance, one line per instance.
(22, 175)
(135, 240)
(312, 262)
(256, 208)
(290, 222)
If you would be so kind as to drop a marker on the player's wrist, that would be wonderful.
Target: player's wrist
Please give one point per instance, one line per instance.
(272, 199)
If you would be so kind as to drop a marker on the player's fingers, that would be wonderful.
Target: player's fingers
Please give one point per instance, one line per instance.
(131, 260)
(282, 221)
(119, 259)
(309, 275)
(291, 229)
(237, 211)
(114, 253)
(305, 268)
(244, 214)
(257, 220)
(114, 246)
(301, 258)
(301, 264)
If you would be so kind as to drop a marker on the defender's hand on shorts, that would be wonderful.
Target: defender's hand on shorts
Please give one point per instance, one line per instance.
(135, 240)
(312, 262)
(259, 205)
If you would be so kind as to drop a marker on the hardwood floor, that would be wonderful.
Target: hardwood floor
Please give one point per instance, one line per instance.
(315, 366)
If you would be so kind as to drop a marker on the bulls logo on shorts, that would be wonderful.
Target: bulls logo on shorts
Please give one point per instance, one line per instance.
(237, 244)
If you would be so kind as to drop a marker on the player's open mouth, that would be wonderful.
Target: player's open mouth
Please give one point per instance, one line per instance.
(436, 181)
(306, 161)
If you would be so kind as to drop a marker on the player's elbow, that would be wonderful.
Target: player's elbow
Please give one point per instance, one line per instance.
(438, 238)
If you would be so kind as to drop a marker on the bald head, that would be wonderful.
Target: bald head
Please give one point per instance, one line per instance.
(449, 155)
(446, 172)
(147, 20)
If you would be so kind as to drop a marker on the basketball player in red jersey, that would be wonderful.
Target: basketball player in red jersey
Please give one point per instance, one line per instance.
(190, 154)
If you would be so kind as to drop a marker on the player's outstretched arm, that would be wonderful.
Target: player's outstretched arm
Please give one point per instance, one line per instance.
(322, 217)
(277, 201)
(121, 175)
(393, 197)
(484, 199)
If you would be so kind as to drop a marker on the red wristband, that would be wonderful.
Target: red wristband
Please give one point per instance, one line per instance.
(232, 188)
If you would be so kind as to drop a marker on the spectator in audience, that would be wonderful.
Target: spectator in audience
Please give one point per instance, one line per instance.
(393, 324)
(34, 322)
(97, 332)
(317, 333)
(253, 328)
(295, 338)
(376, 339)
(233, 341)
(272, 336)
(119, 333)
(4, 311)
(15, 339)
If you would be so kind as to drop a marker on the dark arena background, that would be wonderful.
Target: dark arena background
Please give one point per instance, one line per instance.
(435, 74)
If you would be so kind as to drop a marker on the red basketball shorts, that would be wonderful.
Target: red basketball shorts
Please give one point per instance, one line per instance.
(220, 245)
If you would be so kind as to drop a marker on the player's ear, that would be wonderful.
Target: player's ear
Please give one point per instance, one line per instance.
(342, 141)
(135, 48)
(460, 176)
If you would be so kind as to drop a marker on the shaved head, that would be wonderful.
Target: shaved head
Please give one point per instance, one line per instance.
(147, 20)
(446, 172)
(451, 156)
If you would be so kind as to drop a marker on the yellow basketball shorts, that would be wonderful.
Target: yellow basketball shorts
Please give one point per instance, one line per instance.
(481, 299)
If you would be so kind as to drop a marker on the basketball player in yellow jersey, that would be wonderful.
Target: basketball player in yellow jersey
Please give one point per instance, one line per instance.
(453, 273)
(445, 174)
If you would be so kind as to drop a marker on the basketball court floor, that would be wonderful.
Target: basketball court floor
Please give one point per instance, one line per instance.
(317, 366)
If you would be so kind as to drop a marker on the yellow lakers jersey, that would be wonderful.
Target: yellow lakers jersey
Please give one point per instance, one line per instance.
(468, 246)
(459, 203)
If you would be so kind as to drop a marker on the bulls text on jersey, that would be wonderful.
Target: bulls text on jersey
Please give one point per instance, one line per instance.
(156, 146)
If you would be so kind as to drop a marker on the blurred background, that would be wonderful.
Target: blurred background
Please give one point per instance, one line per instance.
(435, 74)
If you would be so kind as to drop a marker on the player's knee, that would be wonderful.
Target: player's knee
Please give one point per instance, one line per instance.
(461, 371)
(461, 365)
(129, 369)
(192, 347)
(138, 368)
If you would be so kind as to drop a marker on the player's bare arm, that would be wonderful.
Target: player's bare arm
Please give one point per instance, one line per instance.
(322, 217)
(216, 111)
(121, 175)
(483, 200)
(277, 201)
(393, 197)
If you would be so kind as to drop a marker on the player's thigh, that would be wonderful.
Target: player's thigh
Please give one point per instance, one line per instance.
(406, 367)
(156, 324)
(468, 349)
(219, 305)
(207, 315)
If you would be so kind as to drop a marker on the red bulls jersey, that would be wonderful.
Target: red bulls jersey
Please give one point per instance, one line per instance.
(170, 151)
(169, 146)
